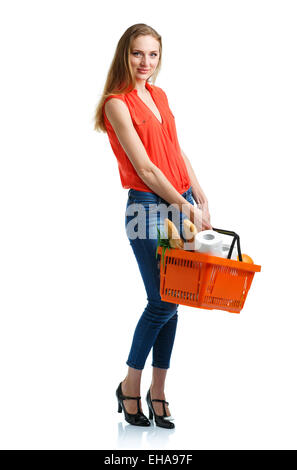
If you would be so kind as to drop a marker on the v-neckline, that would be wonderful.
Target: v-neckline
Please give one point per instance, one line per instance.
(161, 123)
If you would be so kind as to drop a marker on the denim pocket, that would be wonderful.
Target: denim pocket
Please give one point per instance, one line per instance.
(142, 197)
(191, 200)
(189, 197)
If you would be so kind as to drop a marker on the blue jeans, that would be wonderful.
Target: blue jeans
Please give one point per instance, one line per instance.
(157, 325)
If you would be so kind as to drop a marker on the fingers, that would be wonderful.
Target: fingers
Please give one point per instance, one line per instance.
(206, 226)
(206, 221)
(202, 218)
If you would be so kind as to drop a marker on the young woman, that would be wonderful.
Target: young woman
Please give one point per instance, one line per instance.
(142, 133)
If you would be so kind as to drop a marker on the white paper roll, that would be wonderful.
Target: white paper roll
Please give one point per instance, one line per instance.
(210, 242)
(226, 248)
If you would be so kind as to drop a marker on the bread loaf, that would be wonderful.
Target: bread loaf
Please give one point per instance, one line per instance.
(190, 230)
(172, 233)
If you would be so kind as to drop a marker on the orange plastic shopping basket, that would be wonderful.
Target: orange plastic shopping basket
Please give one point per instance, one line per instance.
(204, 281)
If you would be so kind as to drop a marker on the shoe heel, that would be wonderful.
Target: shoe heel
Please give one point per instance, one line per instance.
(120, 408)
(150, 414)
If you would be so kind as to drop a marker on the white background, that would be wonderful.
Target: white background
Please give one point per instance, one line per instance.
(71, 293)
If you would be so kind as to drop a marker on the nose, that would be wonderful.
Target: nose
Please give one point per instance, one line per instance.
(144, 60)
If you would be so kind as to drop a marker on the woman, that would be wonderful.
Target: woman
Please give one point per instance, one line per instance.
(142, 133)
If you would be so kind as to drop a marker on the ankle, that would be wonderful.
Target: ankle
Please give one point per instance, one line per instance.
(157, 391)
(130, 388)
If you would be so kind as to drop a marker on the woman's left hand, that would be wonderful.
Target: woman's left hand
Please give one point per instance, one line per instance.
(205, 210)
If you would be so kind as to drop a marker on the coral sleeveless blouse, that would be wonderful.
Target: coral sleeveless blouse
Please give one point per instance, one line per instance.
(159, 139)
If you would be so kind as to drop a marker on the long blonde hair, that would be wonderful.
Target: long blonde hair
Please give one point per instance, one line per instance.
(119, 78)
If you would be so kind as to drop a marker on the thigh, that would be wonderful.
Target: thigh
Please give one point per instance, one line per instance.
(145, 214)
(141, 222)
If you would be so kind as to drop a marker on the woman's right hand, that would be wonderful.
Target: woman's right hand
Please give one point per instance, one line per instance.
(206, 213)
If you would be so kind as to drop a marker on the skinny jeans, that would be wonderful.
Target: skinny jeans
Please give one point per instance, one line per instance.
(156, 327)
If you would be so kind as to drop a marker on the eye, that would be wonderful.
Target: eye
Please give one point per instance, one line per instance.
(153, 53)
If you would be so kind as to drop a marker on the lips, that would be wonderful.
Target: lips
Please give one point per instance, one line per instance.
(142, 70)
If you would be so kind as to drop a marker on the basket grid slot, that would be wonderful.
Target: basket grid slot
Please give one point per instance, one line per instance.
(185, 295)
(225, 270)
(222, 302)
(221, 286)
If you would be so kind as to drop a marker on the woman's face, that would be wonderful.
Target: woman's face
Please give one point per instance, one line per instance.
(144, 56)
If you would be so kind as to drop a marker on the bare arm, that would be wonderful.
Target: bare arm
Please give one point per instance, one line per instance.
(120, 119)
(197, 191)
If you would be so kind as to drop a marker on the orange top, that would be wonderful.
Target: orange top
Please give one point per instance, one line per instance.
(159, 139)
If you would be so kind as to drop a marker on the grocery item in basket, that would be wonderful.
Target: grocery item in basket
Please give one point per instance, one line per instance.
(246, 259)
(172, 233)
(209, 242)
(225, 250)
(190, 230)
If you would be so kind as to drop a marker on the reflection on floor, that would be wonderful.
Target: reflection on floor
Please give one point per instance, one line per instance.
(134, 437)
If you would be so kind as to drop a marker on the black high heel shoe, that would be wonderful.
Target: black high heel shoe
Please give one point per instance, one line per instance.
(137, 419)
(162, 421)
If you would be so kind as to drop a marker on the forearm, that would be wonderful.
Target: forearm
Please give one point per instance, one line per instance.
(155, 179)
(197, 191)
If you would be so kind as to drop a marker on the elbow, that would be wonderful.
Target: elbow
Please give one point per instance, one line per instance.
(146, 172)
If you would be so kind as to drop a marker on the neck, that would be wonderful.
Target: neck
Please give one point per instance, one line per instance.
(140, 87)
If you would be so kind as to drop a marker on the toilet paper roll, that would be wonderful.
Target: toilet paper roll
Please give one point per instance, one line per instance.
(209, 242)
(225, 251)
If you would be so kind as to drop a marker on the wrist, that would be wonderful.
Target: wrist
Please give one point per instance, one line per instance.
(200, 199)
(195, 214)
(204, 201)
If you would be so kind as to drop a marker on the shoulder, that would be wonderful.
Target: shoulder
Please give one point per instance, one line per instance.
(158, 90)
(116, 109)
(112, 98)
(160, 93)
(115, 102)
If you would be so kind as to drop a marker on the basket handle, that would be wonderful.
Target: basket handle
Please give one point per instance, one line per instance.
(235, 239)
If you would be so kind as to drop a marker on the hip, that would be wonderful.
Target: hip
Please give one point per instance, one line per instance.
(147, 197)
(146, 212)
